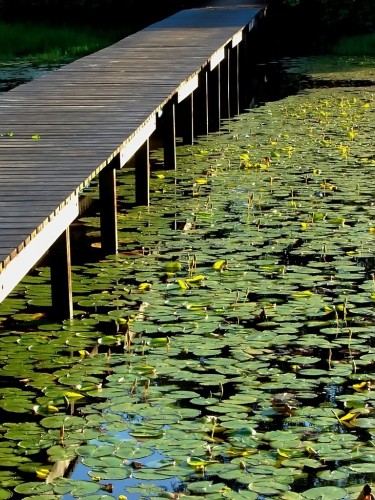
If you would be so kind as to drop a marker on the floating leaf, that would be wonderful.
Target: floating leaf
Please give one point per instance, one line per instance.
(173, 266)
(327, 492)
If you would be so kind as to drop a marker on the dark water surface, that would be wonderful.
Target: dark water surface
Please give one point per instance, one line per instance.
(16, 73)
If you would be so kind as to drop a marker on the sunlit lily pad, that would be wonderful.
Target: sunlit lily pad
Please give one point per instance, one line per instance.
(328, 492)
(205, 487)
(364, 468)
(266, 487)
(333, 475)
(34, 488)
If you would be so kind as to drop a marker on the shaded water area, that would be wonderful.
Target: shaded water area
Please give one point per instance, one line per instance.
(227, 350)
(14, 73)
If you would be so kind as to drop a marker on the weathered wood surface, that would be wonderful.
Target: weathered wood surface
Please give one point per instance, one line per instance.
(86, 112)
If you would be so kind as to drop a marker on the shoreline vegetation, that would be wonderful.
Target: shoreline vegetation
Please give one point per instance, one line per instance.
(46, 44)
(36, 35)
(42, 43)
(40, 40)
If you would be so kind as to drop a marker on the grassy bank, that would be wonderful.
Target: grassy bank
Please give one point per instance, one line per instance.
(44, 43)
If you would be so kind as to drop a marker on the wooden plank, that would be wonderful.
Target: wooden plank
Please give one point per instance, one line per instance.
(98, 108)
(187, 88)
(216, 58)
(131, 146)
(237, 38)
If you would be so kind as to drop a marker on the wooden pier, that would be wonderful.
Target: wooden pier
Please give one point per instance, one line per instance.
(89, 118)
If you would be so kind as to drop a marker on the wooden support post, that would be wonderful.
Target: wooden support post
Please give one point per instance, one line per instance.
(243, 70)
(213, 91)
(225, 87)
(185, 110)
(168, 123)
(142, 174)
(108, 207)
(234, 81)
(201, 105)
(61, 277)
(253, 74)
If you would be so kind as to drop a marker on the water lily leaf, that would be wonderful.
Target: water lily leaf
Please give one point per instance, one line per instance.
(301, 463)
(327, 492)
(99, 497)
(364, 468)
(147, 433)
(333, 475)
(266, 487)
(87, 450)
(57, 421)
(59, 453)
(206, 487)
(110, 473)
(173, 266)
(42, 497)
(302, 294)
(34, 488)
(149, 475)
(364, 423)
(291, 495)
(241, 494)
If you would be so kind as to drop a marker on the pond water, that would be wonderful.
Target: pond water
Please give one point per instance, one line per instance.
(228, 350)
(14, 73)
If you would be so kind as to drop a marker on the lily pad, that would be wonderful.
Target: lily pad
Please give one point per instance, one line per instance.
(328, 492)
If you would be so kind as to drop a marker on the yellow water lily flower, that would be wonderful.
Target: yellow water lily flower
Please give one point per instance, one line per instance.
(42, 473)
(196, 279)
(183, 284)
(219, 265)
(144, 286)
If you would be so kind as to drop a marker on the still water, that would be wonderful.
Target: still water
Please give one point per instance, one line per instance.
(16, 73)
(227, 350)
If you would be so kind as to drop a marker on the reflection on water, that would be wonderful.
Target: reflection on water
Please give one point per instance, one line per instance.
(16, 73)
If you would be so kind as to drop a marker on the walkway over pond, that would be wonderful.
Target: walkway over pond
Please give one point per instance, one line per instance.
(179, 76)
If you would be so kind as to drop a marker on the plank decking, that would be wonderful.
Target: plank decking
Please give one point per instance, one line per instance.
(61, 130)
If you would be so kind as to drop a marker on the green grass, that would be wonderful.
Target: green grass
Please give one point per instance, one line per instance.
(43, 43)
(359, 45)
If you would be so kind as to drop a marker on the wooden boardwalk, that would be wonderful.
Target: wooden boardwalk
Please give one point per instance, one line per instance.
(91, 117)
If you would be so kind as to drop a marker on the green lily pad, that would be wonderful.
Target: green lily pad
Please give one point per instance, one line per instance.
(4, 494)
(266, 487)
(327, 492)
(205, 487)
(333, 475)
(34, 488)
